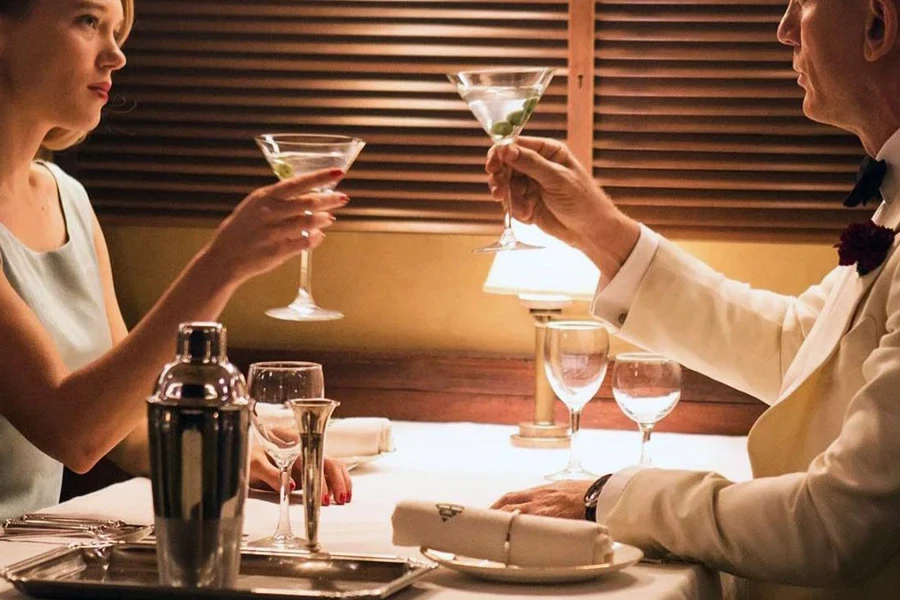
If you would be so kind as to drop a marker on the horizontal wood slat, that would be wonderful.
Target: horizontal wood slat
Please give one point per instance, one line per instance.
(699, 123)
(205, 76)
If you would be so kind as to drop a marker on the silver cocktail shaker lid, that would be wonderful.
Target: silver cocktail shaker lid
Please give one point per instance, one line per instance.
(201, 374)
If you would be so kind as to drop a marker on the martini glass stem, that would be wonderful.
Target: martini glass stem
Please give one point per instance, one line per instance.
(304, 294)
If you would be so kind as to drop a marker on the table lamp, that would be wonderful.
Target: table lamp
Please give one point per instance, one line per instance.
(546, 281)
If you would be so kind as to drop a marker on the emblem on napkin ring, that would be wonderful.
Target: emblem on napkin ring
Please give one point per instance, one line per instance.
(506, 544)
(448, 511)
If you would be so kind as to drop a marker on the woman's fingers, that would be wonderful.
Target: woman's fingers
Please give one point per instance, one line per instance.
(262, 471)
(311, 202)
(338, 480)
(295, 186)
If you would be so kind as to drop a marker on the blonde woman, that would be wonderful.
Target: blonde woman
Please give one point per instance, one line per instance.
(74, 379)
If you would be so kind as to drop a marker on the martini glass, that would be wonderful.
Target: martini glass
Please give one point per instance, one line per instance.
(503, 100)
(292, 154)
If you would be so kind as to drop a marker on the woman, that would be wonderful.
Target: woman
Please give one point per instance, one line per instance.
(75, 379)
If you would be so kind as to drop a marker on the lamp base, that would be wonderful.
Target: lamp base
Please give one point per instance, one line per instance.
(541, 435)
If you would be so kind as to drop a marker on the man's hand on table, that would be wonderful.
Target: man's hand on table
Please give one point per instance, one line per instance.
(560, 499)
(337, 483)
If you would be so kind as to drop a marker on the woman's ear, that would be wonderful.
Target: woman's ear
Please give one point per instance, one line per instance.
(881, 29)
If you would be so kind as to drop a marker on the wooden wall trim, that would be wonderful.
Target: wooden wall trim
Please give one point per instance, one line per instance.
(493, 389)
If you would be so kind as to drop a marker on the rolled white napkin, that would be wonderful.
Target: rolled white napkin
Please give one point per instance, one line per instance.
(358, 436)
(483, 533)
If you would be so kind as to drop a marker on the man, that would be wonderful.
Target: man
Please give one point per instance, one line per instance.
(821, 518)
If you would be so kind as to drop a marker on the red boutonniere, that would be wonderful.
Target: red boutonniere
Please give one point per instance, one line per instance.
(865, 244)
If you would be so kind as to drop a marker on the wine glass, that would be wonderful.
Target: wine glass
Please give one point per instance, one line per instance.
(575, 354)
(503, 100)
(272, 387)
(291, 154)
(646, 387)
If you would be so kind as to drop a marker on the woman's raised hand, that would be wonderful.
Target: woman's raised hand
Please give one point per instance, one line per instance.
(274, 223)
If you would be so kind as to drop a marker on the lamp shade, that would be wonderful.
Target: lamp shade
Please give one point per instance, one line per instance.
(557, 269)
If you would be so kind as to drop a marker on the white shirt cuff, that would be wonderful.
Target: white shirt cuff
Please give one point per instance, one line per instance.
(613, 488)
(612, 301)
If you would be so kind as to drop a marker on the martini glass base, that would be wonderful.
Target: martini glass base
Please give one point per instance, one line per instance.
(304, 312)
(507, 242)
(570, 474)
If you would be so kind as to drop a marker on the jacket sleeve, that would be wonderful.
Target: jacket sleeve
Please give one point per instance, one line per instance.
(835, 522)
(711, 324)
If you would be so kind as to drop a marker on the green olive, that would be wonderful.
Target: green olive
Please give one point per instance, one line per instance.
(517, 117)
(283, 170)
(530, 105)
(501, 128)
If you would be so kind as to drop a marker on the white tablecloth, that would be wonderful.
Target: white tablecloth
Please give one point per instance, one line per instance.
(464, 463)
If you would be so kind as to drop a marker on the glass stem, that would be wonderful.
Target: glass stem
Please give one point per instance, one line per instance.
(306, 276)
(283, 531)
(574, 447)
(646, 430)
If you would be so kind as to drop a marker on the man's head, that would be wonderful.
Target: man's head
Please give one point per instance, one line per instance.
(847, 53)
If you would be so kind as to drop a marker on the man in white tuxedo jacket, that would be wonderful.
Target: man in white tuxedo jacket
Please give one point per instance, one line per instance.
(821, 518)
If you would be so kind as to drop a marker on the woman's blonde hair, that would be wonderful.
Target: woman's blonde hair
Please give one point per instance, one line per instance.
(60, 139)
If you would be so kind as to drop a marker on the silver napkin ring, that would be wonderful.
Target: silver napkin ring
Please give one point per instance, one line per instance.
(515, 514)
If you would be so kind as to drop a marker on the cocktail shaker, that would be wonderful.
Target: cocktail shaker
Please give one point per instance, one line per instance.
(199, 430)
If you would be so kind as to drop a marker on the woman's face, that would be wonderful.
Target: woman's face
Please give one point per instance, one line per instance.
(56, 62)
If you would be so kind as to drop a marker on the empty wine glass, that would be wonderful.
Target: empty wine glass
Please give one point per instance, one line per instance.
(646, 387)
(503, 101)
(575, 355)
(291, 154)
(272, 387)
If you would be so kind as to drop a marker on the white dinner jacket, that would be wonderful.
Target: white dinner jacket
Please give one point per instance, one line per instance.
(821, 519)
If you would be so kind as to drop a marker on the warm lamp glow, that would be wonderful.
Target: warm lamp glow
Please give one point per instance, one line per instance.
(557, 269)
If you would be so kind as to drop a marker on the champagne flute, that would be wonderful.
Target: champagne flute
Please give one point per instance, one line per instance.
(575, 354)
(291, 154)
(273, 386)
(646, 387)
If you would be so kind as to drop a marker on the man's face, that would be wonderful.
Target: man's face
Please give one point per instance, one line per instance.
(827, 38)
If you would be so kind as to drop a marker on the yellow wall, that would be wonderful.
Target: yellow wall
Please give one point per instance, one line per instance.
(403, 291)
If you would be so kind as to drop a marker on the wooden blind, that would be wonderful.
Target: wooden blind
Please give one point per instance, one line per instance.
(205, 76)
(699, 127)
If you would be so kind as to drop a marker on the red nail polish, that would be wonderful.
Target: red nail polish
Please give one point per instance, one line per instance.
(341, 498)
(325, 499)
(336, 173)
(293, 485)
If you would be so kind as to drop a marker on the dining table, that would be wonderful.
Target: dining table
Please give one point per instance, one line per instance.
(469, 464)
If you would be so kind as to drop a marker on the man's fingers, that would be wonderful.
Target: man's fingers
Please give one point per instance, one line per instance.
(549, 149)
(529, 162)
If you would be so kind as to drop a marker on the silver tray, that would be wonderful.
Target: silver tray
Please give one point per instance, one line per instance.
(129, 571)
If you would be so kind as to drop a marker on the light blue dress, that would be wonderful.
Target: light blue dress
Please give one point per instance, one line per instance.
(64, 290)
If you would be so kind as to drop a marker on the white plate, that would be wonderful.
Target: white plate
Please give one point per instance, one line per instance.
(624, 556)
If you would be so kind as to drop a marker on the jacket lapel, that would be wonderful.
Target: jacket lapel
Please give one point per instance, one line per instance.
(836, 315)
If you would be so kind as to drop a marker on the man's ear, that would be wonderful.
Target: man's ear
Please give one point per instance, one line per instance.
(881, 29)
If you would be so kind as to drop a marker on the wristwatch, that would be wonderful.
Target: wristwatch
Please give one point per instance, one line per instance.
(592, 495)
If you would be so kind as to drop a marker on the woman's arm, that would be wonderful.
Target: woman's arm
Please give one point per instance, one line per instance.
(77, 417)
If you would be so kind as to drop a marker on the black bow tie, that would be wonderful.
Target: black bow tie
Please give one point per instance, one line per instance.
(868, 182)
